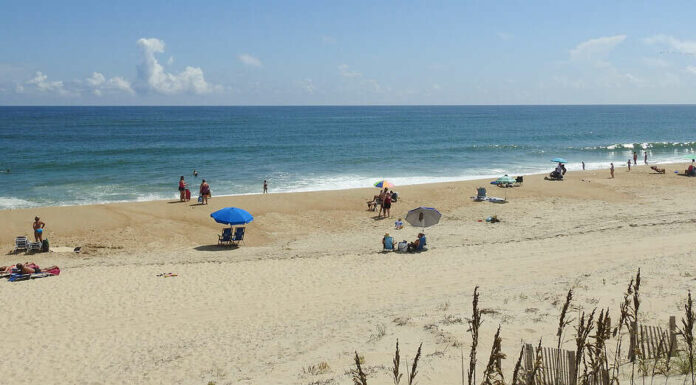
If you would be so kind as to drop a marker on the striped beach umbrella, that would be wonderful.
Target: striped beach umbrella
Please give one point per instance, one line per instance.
(384, 183)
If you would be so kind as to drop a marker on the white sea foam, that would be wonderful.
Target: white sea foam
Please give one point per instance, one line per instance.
(15, 203)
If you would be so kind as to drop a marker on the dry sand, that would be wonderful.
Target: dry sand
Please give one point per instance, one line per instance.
(312, 286)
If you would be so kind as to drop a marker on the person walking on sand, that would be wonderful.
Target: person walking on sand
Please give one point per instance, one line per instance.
(645, 157)
(265, 187)
(611, 170)
(38, 229)
(204, 191)
(635, 158)
(583, 165)
(182, 189)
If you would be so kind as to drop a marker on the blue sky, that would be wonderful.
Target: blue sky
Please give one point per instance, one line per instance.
(352, 52)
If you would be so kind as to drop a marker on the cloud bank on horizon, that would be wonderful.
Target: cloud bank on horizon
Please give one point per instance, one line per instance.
(461, 54)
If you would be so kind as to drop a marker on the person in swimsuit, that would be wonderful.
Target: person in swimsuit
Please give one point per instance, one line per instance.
(31, 268)
(265, 187)
(204, 191)
(635, 158)
(182, 189)
(611, 170)
(38, 229)
(386, 205)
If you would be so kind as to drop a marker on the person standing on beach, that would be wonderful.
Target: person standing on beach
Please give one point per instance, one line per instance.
(265, 187)
(38, 229)
(583, 165)
(204, 191)
(635, 158)
(629, 164)
(645, 158)
(611, 170)
(182, 189)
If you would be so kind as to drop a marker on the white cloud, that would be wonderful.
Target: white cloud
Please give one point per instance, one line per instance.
(346, 72)
(99, 84)
(684, 47)
(308, 86)
(691, 69)
(249, 60)
(41, 83)
(595, 49)
(153, 77)
(170, 61)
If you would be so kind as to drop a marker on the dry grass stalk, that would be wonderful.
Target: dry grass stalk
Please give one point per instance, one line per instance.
(493, 375)
(687, 333)
(538, 366)
(414, 367)
(582, 331)
(623, 321)
(474, 325)
(359, 377)
(516, 379)
(563, 322)
(634, 326)
(397, 364)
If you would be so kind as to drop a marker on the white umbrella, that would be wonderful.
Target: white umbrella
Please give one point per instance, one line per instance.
(423, 217)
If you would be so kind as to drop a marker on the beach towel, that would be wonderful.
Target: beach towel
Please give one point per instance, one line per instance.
(14, 277)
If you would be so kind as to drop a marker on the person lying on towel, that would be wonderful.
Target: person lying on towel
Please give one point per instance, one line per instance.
(32, 268)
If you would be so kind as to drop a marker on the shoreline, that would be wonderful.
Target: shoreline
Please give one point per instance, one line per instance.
(573, 168)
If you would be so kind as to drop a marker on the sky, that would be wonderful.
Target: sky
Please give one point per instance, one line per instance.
(346, 52)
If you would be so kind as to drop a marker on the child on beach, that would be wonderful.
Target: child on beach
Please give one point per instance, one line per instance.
(182, 189)
(611, 170)
(629, 165)
(399, 224)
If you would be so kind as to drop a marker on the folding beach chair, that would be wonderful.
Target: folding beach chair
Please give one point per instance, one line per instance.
(238, 236)
(226, 237)
(34, 246)
(480, 194)
(388, 244)
(21, 243)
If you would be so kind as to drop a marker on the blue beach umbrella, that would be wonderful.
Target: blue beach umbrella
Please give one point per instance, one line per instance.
(232, 216)
(559, 160)
(423, 217)
(505, 180)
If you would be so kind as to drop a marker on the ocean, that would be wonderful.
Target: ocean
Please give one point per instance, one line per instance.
(86, 155)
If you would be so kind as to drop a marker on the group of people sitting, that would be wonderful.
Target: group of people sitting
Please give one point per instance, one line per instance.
(388, 244)
(28, 268)
(691, 171)
(384, 200)
(558, 173)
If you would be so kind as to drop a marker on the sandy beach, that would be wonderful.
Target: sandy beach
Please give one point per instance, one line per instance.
(311, 285)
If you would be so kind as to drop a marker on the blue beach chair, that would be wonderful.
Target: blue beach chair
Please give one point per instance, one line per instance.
(388, 244)
(238, 236)
(226, 237)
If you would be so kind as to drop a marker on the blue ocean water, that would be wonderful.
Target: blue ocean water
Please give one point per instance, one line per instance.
(83, 155)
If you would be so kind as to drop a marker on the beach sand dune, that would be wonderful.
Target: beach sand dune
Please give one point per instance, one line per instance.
(311, 285)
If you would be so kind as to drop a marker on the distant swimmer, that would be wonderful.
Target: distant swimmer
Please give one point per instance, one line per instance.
(195, 173)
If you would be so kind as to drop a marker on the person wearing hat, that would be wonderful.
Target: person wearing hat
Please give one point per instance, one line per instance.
(38, 229)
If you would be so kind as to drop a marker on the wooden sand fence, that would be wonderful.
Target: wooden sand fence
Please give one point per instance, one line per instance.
(552, 366)
(653, 341)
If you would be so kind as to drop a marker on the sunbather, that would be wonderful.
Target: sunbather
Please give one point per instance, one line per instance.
(413, 246)
(32, 268)
(658, 170)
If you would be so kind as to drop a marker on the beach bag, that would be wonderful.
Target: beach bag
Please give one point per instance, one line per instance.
(188, 194)
(403, 246)
(44, 246)
(200, 199)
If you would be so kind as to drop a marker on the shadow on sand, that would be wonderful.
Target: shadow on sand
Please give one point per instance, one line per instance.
(215, 248)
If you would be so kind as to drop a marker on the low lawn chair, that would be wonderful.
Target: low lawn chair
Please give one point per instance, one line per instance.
(21, 243)
(388, 244)
(480, 194)
(33, 246)
(226, 237)
(238, 236)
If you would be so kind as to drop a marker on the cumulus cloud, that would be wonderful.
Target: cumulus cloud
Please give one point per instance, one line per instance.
(249, 60)
(684, 47)
(41, 83)
(153, 77)
(99, 84)
(595, 49)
